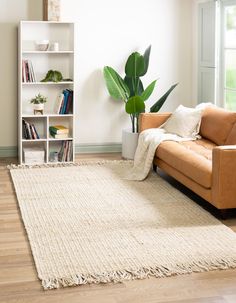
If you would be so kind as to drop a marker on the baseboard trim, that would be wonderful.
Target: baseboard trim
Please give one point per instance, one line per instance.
(8, 151)
(98, 148)
(11, 151)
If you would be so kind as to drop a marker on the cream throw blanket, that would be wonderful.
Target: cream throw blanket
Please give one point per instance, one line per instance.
(148, 142)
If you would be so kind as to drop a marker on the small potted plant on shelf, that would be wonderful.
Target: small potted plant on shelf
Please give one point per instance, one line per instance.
(38, 103)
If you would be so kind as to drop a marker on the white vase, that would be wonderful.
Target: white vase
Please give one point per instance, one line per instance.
(129, 143)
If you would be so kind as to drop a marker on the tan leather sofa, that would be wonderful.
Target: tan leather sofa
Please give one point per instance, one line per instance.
(206, 166)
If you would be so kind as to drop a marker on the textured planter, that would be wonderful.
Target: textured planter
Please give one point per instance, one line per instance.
(38, 106)
(129, 144)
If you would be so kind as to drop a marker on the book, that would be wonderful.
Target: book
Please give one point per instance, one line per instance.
(60, 136)
(66, 151)
(69, 102)
(28, 74)
(29, 131)
(33, 133)
(58, 103)
(59, 129)
(37, 135)
(66, 95)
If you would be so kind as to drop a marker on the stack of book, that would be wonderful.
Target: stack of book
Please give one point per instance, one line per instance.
(64, 102)
(66, 152)
(28, 74)
(59, 131)
(29, 131)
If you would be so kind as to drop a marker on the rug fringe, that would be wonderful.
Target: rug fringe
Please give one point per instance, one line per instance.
(69, 164)
(139, 274)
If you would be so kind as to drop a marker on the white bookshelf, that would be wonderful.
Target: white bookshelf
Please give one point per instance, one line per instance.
(42, 61)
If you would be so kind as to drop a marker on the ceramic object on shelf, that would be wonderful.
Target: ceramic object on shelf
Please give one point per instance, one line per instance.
(42, 45)
(54, 47)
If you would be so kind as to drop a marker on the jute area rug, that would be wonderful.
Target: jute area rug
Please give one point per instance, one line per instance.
(87, 224)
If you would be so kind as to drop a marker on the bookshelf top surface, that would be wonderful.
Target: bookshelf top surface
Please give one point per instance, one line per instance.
(45, 22)
(46, 115)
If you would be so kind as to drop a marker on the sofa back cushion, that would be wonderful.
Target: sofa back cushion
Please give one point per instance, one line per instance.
(217, 124)
(231, 140)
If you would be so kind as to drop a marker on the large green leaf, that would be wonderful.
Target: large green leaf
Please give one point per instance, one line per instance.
(157, 106)
(115, 84)
(146, 59)
(140, 88)
(135, 65)
(135, 105)
(130, 82)
(148, 91)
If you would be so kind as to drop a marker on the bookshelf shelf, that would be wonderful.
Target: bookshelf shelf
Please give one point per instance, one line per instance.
(46, 115)
(66, 139)
(34, 140)
(42, 62)
(48, 83)
(48, 52)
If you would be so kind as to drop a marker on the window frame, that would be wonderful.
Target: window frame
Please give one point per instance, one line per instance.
(222, 66)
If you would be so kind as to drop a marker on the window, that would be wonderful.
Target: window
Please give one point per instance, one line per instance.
(228, 47)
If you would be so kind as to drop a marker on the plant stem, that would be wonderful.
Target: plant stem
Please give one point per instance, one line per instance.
(133, 123)
(137, 124)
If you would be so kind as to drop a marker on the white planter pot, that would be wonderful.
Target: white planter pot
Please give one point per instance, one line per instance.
(38, 106)
(129, 143)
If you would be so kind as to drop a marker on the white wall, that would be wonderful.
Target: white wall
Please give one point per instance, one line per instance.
(107, 32)
(11, 12)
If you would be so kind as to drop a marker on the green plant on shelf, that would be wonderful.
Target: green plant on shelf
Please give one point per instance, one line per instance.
(54, 76)
(38, 99)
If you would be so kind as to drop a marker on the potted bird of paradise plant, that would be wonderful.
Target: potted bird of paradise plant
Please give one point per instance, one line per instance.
(131, 91)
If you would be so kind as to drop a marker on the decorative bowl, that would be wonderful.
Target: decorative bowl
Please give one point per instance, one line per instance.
(42, 45)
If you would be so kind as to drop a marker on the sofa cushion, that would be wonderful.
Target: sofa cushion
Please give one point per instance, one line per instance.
(231, 140)
(192, 158)
(216, 124)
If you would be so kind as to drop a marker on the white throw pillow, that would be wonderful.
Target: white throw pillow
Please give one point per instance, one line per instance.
(184, 122)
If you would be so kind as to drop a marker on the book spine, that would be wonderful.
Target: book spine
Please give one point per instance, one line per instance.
(32, 72)
(33, 134)
(62, 104)
(35, 131)
(69, 151)
(25, 134)
(26, 71)
(59, 103)
(66, 94)
(70, 98)
(28, 130)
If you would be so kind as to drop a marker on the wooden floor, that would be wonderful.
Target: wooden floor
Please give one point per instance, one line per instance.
(19, 282)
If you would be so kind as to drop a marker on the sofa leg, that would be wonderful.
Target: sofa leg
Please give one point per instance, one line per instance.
(154, 167)
(223, 214)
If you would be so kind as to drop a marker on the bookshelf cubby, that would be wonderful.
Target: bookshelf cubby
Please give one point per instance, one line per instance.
(42, 61)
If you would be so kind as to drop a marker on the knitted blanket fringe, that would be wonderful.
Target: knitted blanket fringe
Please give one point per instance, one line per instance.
(69, 164)
(139, 274)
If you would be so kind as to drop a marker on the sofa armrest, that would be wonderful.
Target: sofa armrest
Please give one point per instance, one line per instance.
(224, 176)
(152, 120)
